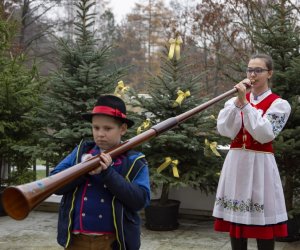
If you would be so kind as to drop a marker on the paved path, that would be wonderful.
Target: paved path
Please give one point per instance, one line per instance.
(38, 232)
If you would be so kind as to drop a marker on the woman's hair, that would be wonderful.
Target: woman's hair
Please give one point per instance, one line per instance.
(267, 59)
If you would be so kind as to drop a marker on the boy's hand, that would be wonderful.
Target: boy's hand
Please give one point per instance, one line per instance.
(105, 162)
(85, 157)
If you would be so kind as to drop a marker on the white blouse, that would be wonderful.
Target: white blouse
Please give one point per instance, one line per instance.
(250, 190)
(262, 128)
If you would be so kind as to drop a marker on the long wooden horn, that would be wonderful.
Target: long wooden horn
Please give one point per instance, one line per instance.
(18, 201)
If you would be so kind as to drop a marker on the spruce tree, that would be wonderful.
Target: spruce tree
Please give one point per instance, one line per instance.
(172, 92)
(278, 34)
(19, 95)
(83, 76)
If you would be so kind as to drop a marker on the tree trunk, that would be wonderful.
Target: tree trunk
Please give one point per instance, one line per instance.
(47, 169)
(34, 168)
(149, 34)
(288, 185)
(0, 171)
(288, 191)
(165, 193)
(24, 17)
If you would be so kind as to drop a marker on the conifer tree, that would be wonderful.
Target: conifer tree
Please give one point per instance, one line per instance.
(277, 34)
(19, 94)
(178, 157)
(84, 74)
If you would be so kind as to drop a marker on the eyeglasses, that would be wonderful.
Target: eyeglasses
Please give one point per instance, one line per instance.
(255, 70)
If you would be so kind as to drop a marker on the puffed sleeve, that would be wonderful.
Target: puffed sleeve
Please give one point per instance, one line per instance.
(229, 120)
(265, 128)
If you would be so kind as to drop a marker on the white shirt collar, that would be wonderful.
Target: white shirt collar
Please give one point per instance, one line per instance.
(256, 99)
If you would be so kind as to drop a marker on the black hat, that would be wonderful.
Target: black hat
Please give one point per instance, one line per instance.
(112, 106)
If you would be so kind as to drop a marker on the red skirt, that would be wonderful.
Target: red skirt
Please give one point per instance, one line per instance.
(251, 231)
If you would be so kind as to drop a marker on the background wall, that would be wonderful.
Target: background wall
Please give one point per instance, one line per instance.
(193, 202)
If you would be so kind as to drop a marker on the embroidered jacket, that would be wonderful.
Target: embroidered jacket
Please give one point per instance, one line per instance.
(130, 191)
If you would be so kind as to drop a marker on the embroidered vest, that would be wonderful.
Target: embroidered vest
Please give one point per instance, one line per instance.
(93, 207)
(244, 139)
(93, 213)
(93, 210)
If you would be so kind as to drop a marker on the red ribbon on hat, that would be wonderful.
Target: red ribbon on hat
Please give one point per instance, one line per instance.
(108, 111)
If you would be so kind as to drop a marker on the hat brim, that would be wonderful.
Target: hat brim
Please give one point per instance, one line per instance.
(88, 117)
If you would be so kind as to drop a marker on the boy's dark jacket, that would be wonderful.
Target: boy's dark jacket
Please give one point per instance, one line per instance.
(128, 198)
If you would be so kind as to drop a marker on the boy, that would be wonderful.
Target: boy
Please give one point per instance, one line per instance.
(99, 209)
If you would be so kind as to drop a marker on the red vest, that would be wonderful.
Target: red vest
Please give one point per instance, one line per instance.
(244, 139)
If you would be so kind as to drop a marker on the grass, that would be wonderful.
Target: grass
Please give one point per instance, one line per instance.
(40, 174)
(40, 162)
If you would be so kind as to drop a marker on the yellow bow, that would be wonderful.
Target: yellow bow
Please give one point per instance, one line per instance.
(181, 96)
(212, 117)
(120, 89)
(173, 163)
(144, 126)
(175, 47)
(212, 146)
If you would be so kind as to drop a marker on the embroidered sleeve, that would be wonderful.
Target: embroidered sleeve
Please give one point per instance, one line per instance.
(277, 121)
(265, 129)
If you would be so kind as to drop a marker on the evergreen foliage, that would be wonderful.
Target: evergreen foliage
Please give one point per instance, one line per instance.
(197, 165)
(278, 34)
(74, 88)
(19, 95)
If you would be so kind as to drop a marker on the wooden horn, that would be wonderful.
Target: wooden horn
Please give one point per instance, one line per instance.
(18, 201)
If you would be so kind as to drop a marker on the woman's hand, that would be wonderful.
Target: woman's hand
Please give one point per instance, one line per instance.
(242, 90)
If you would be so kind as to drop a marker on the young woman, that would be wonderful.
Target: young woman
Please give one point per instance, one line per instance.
(249, 199)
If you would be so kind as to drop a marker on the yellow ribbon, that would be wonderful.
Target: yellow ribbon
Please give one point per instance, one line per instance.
(212, 146)
(120, 89)
(212, 117)
(175, 47)
(173, 163)
(181, 96)
(144, 126)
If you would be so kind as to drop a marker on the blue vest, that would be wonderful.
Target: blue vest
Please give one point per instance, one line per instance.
(126, 219)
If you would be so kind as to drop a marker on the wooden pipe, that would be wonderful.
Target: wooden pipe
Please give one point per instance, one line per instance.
(18, 201)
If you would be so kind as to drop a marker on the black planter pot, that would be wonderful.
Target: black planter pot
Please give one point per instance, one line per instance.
(293, 225)
(2, 211)
(162, 217)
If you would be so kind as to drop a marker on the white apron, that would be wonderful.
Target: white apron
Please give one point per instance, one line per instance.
(250, 190)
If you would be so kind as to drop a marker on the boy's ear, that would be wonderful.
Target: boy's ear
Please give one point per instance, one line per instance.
(124, 128)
